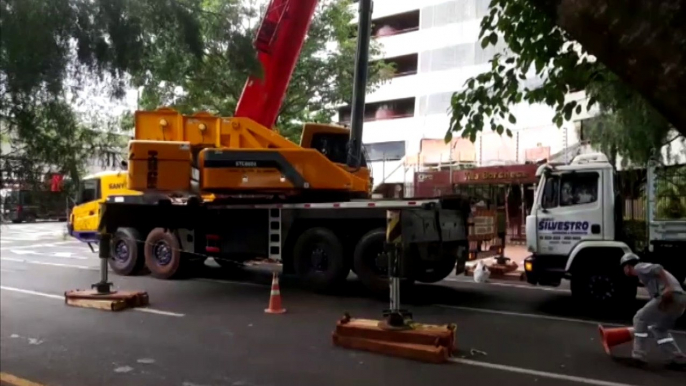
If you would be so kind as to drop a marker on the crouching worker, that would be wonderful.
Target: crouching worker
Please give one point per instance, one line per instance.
(660, 314)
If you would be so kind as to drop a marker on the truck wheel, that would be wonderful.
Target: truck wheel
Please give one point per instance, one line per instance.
(603, 288)
(435, 271)
(163, 254)
(126, 252)
(370, 267)
(318, 259)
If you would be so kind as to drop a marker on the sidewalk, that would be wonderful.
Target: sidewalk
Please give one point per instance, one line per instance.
(516, 253)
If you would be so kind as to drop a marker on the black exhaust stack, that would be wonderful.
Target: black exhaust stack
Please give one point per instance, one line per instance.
(364, 32)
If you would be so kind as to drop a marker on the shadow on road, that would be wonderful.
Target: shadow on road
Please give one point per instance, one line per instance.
(508, 299)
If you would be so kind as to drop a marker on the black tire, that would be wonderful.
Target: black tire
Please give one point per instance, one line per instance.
(163, 254)
(367, 268)
(16, 221)
(435, 271)
(318, 259)
(126, 252)
(603, 288)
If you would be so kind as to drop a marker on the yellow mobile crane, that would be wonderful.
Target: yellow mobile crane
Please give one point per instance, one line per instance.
(307, 206)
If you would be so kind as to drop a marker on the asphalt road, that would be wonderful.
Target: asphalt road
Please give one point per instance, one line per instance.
(211, 330)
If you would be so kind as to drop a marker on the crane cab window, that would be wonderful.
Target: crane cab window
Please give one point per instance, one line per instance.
(333, 146)
(90, 190)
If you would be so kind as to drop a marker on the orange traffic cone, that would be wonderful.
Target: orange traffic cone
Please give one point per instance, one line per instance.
(611, 337)
(275, 298)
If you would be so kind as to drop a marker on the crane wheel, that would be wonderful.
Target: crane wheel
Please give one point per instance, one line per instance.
(126, 252)
(319, 260)
(163, 254)
(370, 268)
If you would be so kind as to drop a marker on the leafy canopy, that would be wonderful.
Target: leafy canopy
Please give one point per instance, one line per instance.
(627, 126)
(51, 49)
(321, 80)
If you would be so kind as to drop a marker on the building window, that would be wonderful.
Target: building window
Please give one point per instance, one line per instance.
(396, 24)
(392, 109)
(461, 55)
(403, 65)
(585, 125)
(385, 151)
(434, 103)
(451, 12)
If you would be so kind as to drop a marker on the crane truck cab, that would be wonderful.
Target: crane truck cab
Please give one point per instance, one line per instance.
(93, 191)
(575, 232)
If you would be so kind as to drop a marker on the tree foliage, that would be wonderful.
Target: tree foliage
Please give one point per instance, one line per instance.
(537, 48)
(51, 49)
(321, 80)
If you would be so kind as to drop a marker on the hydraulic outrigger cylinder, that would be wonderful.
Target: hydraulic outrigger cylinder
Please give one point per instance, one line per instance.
(396, 318)
(102, 295)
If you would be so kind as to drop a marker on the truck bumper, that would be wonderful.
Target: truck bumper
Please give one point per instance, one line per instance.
(545, 270)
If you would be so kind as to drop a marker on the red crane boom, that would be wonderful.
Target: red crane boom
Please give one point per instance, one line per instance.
(279, 41)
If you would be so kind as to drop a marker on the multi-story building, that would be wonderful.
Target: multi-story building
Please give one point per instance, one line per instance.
(435, 48)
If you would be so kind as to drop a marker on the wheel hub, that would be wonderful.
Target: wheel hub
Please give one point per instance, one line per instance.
(162, 253)
(121, 251)
(601, 287)
(320, 259)
(381, 263)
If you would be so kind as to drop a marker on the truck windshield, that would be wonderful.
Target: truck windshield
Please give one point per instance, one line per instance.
(89, 190)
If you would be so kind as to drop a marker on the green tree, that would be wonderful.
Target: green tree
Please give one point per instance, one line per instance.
(538, 48)
(322, 78)
(51, 49)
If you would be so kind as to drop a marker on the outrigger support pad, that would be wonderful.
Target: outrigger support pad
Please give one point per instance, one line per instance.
(101, 295)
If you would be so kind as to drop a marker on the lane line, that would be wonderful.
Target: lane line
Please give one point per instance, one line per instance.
(62, 265)
(526, 287)
(30, 292)
(16, 381)
(61, 297)
(159, 312)
(230, 282)
(536, 373)
(37, 245)
(537, 316)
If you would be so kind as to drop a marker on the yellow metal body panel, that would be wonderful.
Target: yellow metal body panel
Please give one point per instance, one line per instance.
(159, 166)
(85, 216)
(203, 133)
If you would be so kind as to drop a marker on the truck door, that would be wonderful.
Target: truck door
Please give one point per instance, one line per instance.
(570, 211)
(86, 212)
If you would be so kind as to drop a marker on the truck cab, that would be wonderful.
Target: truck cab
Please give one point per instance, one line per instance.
(93, 191)
(575, 232)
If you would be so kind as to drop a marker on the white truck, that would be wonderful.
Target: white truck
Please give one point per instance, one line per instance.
(575, 232)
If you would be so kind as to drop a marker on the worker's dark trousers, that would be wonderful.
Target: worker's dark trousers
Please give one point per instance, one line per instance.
(652, 320)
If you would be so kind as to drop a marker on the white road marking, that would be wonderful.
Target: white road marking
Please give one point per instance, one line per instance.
(524, 286)
(159, 312)
(536, 373)
(232, 282)
(61, 297)
(29, 292)
(23, 252)
(40, 245)
(537, 316)
(47, 263)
